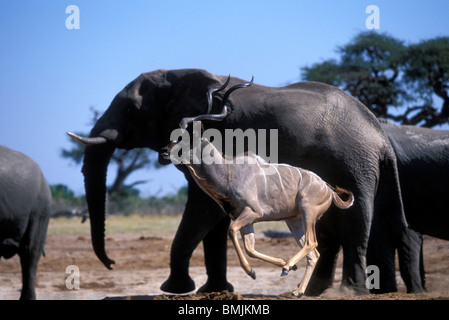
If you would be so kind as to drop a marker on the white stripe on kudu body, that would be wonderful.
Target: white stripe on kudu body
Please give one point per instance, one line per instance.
(251, 192)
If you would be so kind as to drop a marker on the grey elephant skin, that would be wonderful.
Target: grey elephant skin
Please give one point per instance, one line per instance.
(25, 200)
(423, 164)
(320, 128)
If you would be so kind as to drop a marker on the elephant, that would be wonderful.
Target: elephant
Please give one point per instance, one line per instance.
(423, 163)
(25, 200)
(319, 127)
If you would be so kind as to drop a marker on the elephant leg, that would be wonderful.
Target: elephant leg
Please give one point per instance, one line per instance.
(215, 258)
(28, 261)
(421, 266)
(354, 267)
(381, 253)
(390, 231)
(410, 263)
(30, 251)
(354, 239)
(200, 217)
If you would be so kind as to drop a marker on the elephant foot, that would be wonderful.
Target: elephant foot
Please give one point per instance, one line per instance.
(417, 289)
(216, 286)
(28, 295)
(178, 285)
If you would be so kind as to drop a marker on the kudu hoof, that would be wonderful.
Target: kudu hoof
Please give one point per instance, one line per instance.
(252, 274)
(284, 272)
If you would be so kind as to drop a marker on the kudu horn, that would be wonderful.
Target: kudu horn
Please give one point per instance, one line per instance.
(211, 91)
(224, 112)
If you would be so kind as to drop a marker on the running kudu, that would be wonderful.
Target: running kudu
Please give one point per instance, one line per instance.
(251, 190)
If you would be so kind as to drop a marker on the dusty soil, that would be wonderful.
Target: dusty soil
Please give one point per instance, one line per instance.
(142, 265)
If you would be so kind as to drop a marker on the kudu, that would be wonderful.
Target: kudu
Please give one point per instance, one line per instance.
(251, 190)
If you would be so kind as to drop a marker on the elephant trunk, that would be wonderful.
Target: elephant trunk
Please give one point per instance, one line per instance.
(96, 160)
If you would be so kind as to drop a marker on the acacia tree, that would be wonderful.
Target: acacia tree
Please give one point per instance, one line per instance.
(126, 162)
(384, 73)
(426, 69)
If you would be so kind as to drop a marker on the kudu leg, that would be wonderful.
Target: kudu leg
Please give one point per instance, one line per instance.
(249, 242)
(246, 217)
(312, 259)
(307, 242)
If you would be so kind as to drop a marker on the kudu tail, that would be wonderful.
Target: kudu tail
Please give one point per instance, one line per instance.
(337, 195)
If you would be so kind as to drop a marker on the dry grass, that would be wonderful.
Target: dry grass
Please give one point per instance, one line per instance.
(155, 225)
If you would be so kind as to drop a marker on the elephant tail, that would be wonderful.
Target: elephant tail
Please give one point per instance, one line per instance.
(389, 197)
(338, 193)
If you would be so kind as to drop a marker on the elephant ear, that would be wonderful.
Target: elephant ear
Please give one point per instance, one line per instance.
(191, 79)
(189, 89)
(153, 89)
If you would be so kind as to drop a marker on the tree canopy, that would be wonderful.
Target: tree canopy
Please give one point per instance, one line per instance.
(393, 79)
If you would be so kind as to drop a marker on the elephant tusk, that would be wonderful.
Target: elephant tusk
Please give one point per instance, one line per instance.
(87, 141)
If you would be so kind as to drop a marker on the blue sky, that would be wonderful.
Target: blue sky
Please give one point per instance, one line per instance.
(50, 75)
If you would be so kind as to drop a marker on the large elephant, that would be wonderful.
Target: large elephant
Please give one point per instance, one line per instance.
(25, 200)
(423, 164)
(320, 128)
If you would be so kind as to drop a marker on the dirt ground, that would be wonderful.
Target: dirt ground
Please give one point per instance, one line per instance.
(142, 265)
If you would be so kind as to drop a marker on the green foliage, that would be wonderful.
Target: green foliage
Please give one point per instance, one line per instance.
(61, 194)
(384, 73)
(327, 71)
(127, 202)
(426, 69)
(369, 67)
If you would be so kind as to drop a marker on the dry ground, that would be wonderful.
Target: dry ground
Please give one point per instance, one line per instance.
(141, 248)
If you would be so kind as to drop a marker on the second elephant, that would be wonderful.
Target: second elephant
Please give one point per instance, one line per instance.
(25, 200)
(423, 164)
